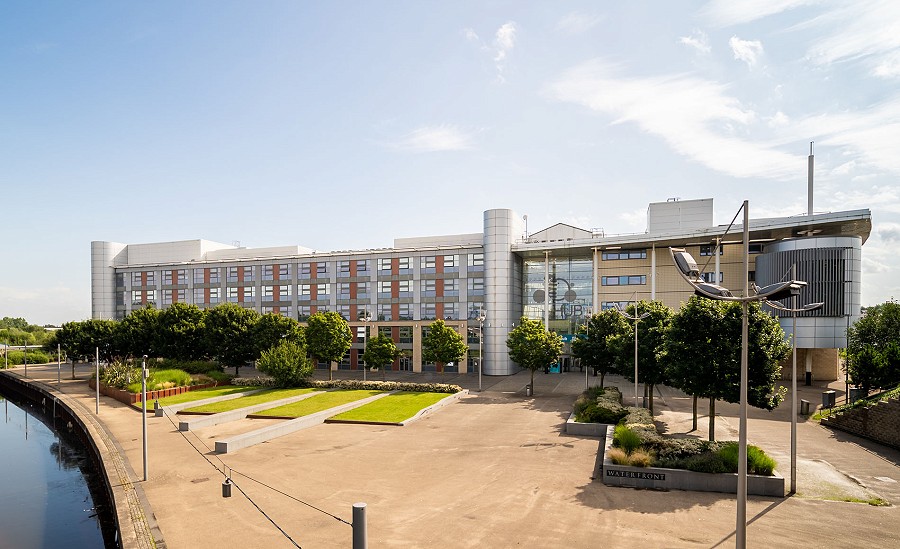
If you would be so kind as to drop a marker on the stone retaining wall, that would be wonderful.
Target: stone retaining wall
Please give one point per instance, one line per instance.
(879, 422)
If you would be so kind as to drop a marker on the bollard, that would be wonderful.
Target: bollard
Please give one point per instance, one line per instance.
(360, 540)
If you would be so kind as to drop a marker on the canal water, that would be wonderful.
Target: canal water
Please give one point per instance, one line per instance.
(51, 491)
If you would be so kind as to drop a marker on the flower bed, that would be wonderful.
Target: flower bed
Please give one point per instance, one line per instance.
(131, 398)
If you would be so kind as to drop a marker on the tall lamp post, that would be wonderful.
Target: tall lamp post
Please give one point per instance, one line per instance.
(366, 318)
(481, 318)
(794, 410)
(636, 318)
(688, 270)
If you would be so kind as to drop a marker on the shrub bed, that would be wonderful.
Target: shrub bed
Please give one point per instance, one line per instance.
(600, 405)
(353, 384)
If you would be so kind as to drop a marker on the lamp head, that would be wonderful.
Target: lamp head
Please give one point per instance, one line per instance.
(781, 290)
(686, 264)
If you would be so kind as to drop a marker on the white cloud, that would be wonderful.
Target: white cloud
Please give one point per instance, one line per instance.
(779, 120)
(888, 232)
(697, 118)
(577, 23)
(635, 220)
(748, 51)
(504, 42)
(724, 13)
(697, 40)
(435, 138)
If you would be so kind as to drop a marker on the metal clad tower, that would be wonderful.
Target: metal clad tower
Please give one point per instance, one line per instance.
(502, 287)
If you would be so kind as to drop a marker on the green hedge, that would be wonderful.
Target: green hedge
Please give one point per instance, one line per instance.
(354, 385)
(189, 366)
(600, 405)
(35, 356)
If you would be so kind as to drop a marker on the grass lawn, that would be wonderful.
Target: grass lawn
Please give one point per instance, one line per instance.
(267, 395)
(197, 394)
(318, 403)
(393, 408)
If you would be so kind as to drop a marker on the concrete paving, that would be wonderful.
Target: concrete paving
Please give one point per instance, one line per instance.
(493, 470)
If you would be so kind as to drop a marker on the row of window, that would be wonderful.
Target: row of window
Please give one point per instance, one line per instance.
(629, 280)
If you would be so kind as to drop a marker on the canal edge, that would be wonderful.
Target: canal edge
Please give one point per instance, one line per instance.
(136, 524)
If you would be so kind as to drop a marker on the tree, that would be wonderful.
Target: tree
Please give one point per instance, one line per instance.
(442, 344)
(138, 333)
(873, 351)
(328, 337)
(651, 334)
(286, 362)
(532, 347)
(597, 349)
(180, 333)
(703, 353)
(81, 340)
(272, 328)
(380, 352)
(228, 336)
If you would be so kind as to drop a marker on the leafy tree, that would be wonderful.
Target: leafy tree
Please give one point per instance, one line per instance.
(138, 333)
(597, 349)
(651, 335)
(873, 347)
(228, 336)
(532, 347)
(328, 337)
(442, 344)
(380, 352)
(286, 362)
(180, 332)
(9, 322)
(81, 340)
(703, 354)
(271, 328)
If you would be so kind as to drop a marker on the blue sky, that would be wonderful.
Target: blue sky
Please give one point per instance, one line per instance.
(341, 125)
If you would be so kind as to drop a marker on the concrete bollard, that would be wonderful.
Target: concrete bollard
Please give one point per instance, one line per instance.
(360, 536)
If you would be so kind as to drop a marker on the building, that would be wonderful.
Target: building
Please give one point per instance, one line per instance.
(559, 274)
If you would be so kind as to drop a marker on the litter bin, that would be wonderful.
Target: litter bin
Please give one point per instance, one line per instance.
(804, 407)
(857, 394)
(528, 390)
(828, 399)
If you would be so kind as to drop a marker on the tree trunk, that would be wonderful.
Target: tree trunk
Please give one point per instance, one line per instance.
(236, 369)
(532, 382)
(649, 389)
(602, 376)
(712, 418)
(694, 424)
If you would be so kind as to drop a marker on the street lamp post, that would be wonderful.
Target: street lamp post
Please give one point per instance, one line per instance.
(636, 318)
(366, 318)
(481, 319)
(143, 409)
(688, 269)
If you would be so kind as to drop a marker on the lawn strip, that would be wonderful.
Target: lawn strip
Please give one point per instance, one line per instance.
(317, 403)
(393, 409)
(197, 394)
(250, 400)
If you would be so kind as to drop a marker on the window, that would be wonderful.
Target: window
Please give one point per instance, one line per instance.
(428, 264)
(215, 295)
(167, 279)
(284, 293)
(231, 295)
(151, 296)
(404, 288)
(755, 248)
(199, 296)
(284, 271)
(384, 289)
(710, 277)
(323, 291)
(303, 312)
(623, 280)
(384, 311)
(213, 275)
(451, 311)
(344, 311)
(322, 269)
(198, 276)
(285, 311)
(428, 311)
(406, 334)
(385, 331)
(231, 274)
(476, 309)
(451, 263)
(305, 270)
(151, 278)
(451, 287)
(405, 311)
(384, 265)
(429, 288)
(120, 280)
(181, 276)
(268, 272)
(305, 291)
(621, 305)
(137, 279)
(268, 309)
(137, 297)
(362, 290)
(249, 293)
(268, 293)
(708, 250)
(343, 290)
(625, 254)
(248, 274)
(476, 286)
(120, 298)
(362, 267)
(751, 276)
(476, 262)
(343, 268)
(405, 265)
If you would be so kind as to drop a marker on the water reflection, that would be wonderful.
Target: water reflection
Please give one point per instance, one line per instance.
(46, 482)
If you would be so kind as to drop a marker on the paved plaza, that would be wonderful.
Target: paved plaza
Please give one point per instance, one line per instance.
(492, 470)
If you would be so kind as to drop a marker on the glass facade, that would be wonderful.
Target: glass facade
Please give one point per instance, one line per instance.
(570, 292)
